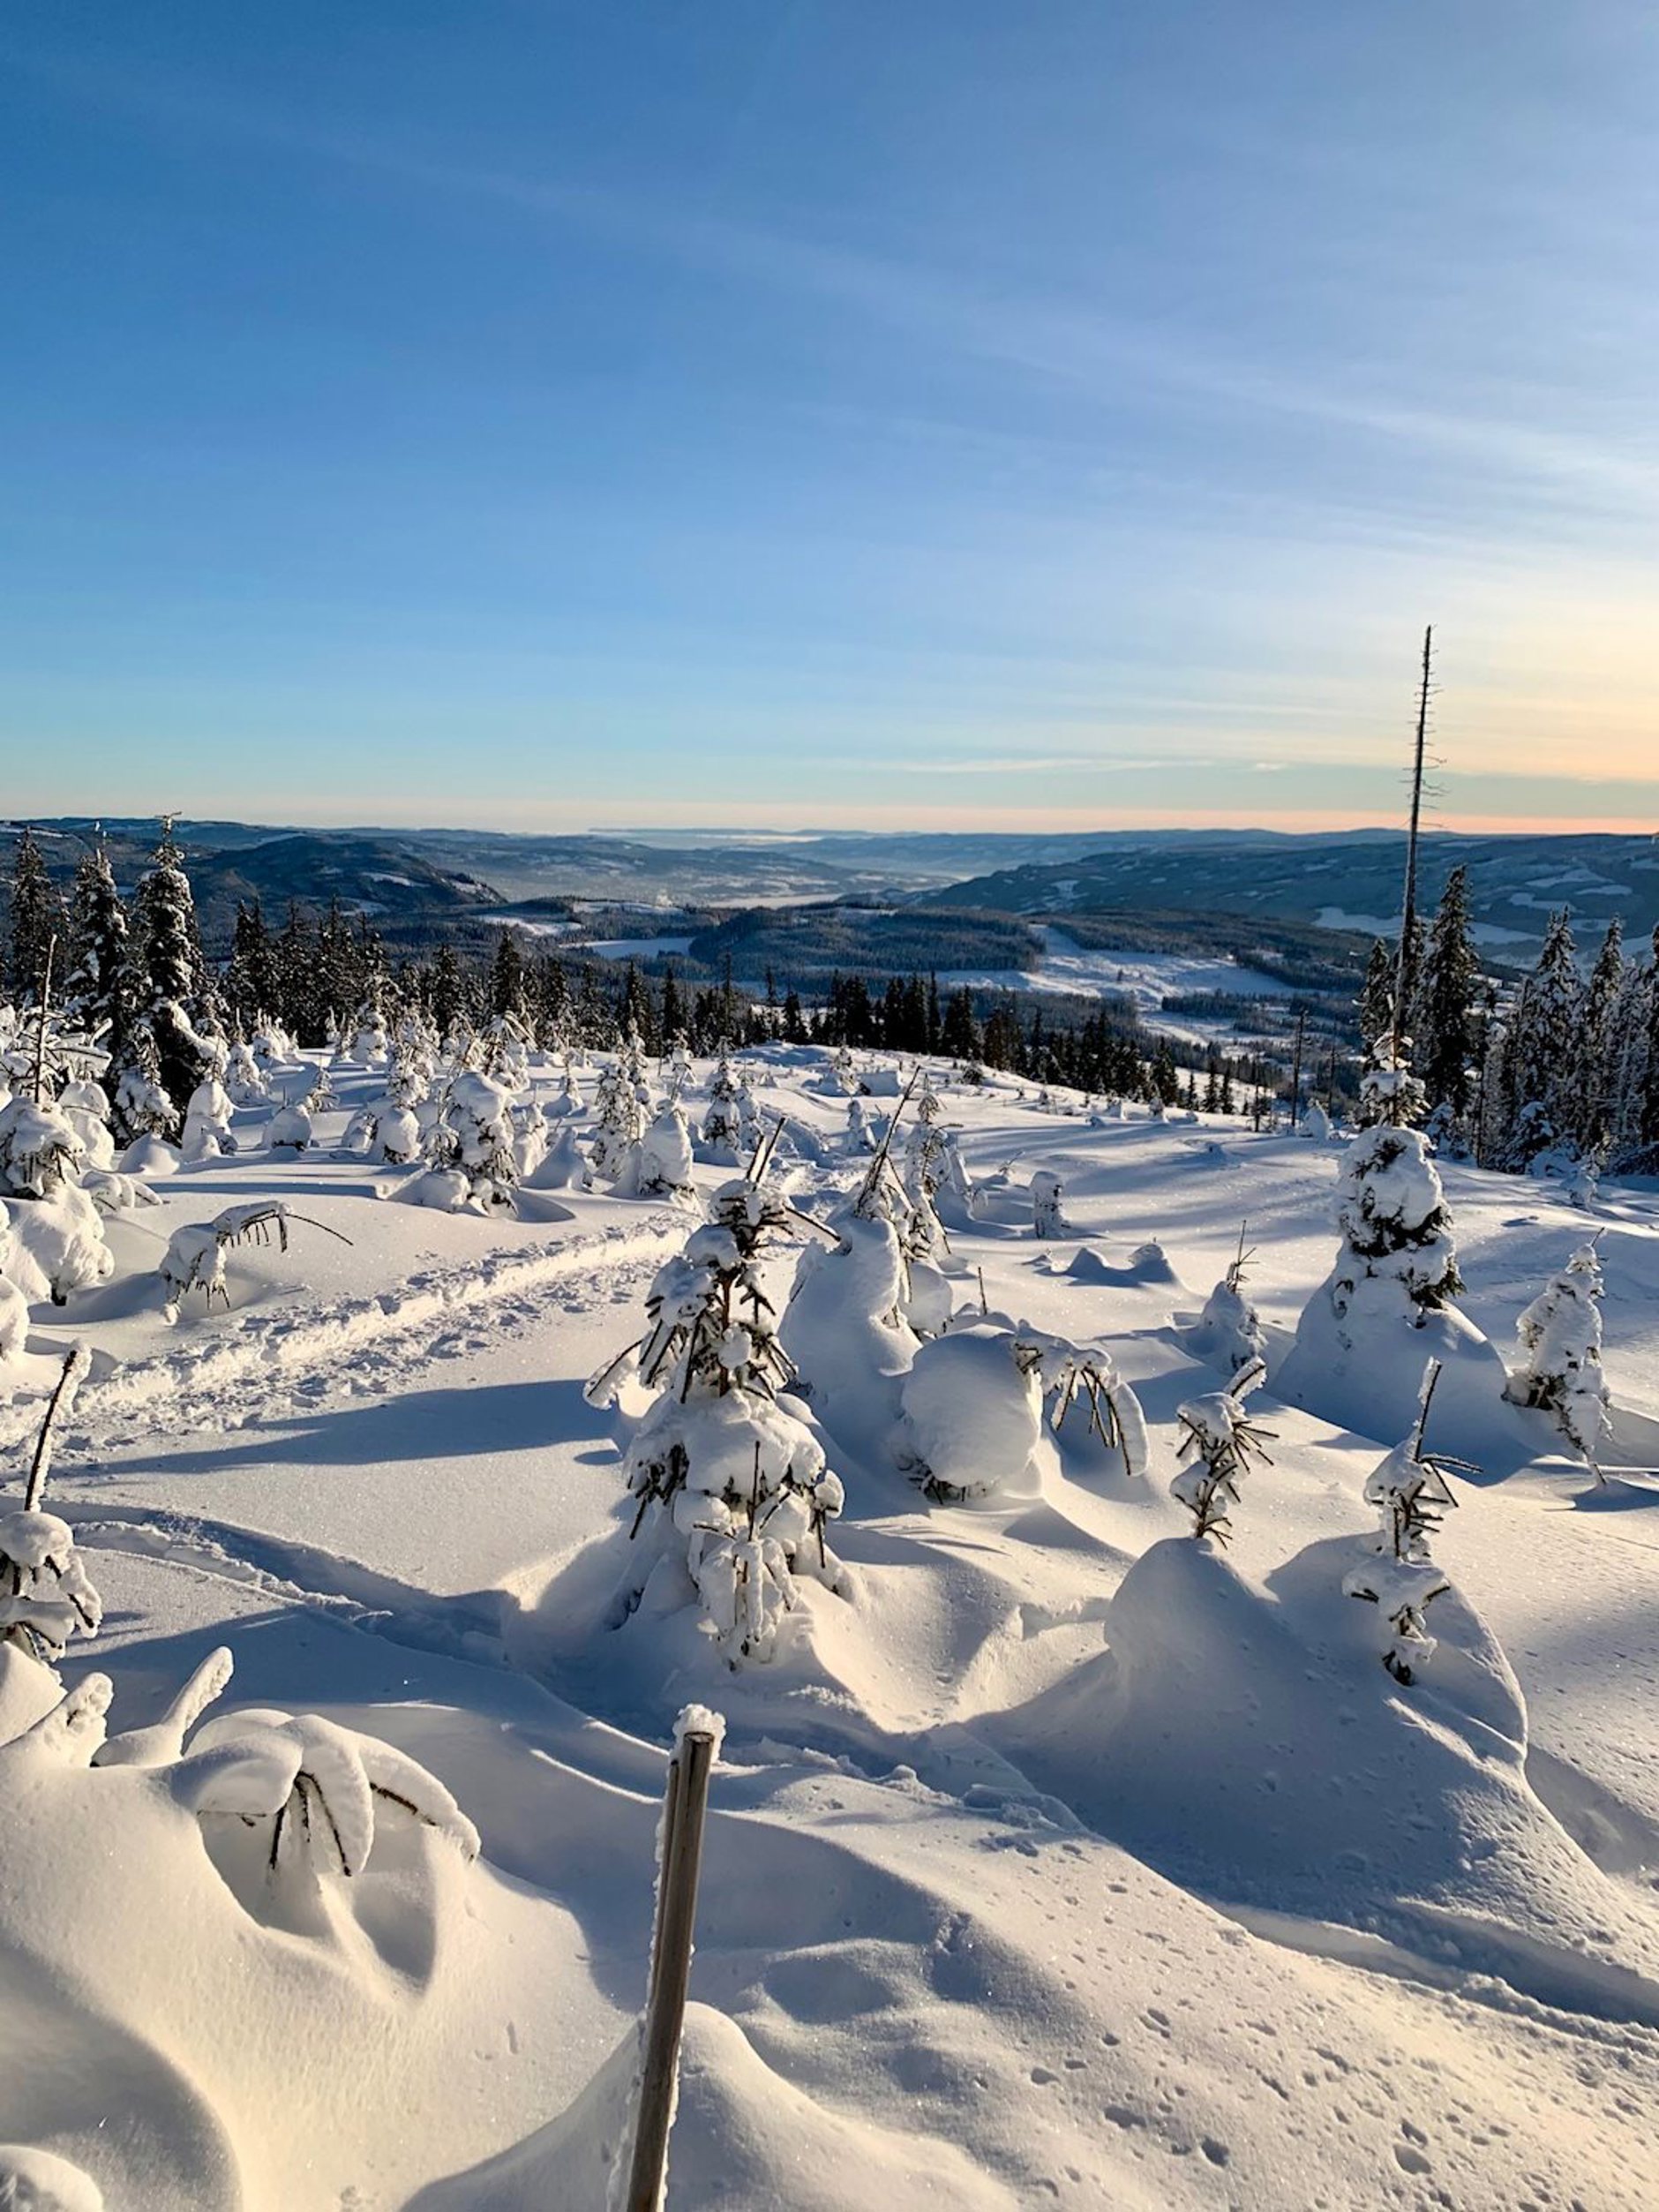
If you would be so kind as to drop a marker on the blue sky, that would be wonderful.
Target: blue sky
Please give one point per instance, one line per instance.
(940, 414)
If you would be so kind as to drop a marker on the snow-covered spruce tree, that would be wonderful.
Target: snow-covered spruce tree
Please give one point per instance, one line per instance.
(38, 919)
(169, 969)
(1412, 1495)
(925, 1297)
(142, 1106)
(244, 1082)
(665, 1156)
(1228, 1334)
(733, 1489)
(1560, 1345)
(1391, 1209)
(1376, 1004)
(479, 1117)
(619, 1124)
(1592, 1088)
(1219, 1440)
(1390, 1094)
(1630, 1028)
(1544, 1032)
(1445, 1016)
(722, 1131)
(925, 1153)
(99, 989)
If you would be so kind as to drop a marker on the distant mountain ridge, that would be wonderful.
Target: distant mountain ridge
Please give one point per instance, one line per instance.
(416, 884)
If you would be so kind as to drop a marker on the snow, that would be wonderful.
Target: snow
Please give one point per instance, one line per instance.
(1146, 978)
(636, 948)
(1061, 1857)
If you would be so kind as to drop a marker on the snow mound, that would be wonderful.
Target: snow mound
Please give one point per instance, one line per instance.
(744, 2138)
(35, 2181)
(1364, 1372)
(1245, 1740)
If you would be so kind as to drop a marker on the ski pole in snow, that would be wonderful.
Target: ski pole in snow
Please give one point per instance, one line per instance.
(697, 1739)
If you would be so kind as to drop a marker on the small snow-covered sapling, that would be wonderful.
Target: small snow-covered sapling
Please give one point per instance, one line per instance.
(716, 1463)
(1047, 1191)
(1560, 1340)
(1412, 1493)
(1230, 1333)
(46, 1595)
(195, 1255)
(1220, 1441)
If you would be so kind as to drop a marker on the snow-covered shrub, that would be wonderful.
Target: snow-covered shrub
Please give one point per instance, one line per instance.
(14, 1312)
(665, 1157)
(566, 1101)
(112, 1191)
(861, 1136)
(1316, 1123)
(195, 1255)
(289, 1130)
(243, 1079)
(59, 1244)
(1412, 1495)
(1047, 1192)
(85, 1105)
(40, 1148)
(46, 1595)
(733, 1490)
(1228, 1334)
(972, 1404)
(207, 1122)
(1220, 1440)
(1560, 1343)
(339, 1785)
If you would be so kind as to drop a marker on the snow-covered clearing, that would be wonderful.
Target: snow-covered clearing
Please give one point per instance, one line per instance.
(1062, 1859)
(1146, 978)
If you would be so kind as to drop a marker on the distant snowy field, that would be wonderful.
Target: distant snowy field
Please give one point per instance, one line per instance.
(1010, 1898)
(1146, 978)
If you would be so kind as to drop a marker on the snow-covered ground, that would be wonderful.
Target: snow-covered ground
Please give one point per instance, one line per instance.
(1146, 978)
(1063, 1861)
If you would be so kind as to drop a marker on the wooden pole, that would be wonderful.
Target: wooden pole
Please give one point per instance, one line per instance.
(686, 1806)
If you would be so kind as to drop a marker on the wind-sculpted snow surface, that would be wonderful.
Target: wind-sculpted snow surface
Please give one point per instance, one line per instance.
(1053, 1855)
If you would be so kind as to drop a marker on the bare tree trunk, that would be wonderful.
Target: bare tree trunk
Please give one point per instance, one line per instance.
(1405, 978)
